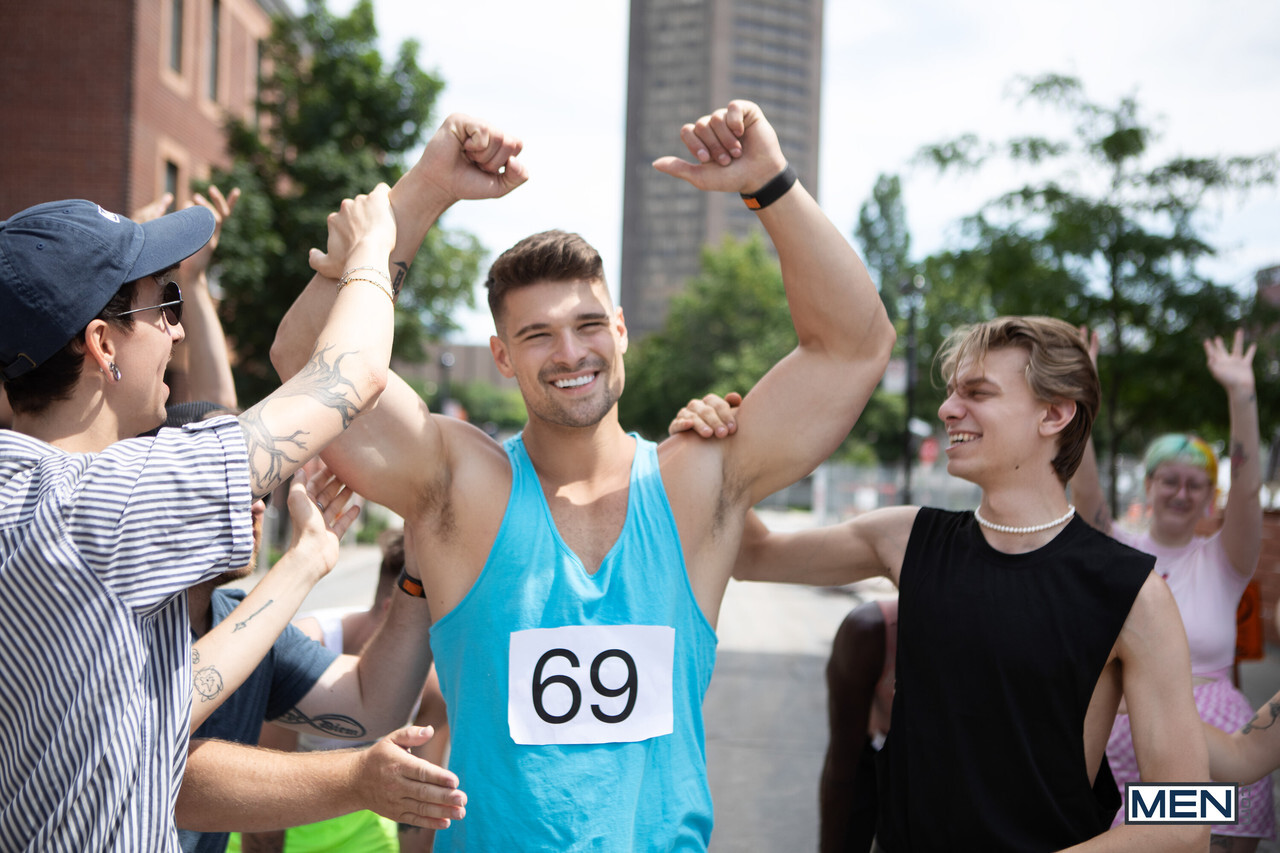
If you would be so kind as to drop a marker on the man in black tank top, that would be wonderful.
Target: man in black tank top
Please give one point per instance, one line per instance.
(1020, 626)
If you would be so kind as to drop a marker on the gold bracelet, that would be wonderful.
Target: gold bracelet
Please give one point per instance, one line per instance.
(349, 279)
(346, 275)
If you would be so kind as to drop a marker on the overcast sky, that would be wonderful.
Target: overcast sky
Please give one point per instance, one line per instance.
(895, 76)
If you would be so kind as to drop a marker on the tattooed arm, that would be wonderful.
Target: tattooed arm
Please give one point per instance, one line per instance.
(365, 696)
(1251, 753)
(349, 355)
(224, 657)
(1242, 518)
(466, 158)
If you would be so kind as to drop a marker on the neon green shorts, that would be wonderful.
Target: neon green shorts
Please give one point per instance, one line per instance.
(358, 832)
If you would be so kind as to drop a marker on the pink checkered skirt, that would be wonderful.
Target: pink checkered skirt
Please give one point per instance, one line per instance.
(1221, 705)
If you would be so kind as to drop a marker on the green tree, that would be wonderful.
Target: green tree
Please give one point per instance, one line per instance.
(885, 240)
(333, 120)
(728, 327)
(1102, 235)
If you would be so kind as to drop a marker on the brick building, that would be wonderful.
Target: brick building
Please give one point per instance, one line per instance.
(120, 100)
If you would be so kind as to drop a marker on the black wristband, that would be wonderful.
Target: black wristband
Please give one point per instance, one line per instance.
(772, 191)
(410, 585)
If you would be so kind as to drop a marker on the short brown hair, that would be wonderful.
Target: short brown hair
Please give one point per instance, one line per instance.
(1058, 368)
(548, 256)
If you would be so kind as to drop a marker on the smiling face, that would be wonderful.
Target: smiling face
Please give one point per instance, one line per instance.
(1180, 494)
(563, 342)
(994, 422)
(142, 354)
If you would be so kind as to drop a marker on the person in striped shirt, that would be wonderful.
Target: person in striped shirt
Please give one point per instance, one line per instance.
(100, 531)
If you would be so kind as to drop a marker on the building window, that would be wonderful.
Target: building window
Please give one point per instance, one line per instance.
(175, 35)
(171, 181)
(215, 43)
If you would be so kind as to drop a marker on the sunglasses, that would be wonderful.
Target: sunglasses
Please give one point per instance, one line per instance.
(171, 308)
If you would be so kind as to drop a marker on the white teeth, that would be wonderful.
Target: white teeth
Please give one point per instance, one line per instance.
(961, 438)
(574, 383)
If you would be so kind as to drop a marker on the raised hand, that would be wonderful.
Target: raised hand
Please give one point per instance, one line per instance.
(365, 225)
(1233, 369)
(469, 158)
(712, 416)
(152, 210)
(736, 149)
(319, 511)
(221, 206)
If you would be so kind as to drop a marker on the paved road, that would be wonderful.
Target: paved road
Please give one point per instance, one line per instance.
(765, 711)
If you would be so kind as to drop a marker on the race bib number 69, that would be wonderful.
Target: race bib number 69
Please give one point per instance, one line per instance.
(590, 684)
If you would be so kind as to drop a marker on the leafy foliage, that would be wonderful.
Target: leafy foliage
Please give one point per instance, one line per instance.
(722, 334)
(333, 120)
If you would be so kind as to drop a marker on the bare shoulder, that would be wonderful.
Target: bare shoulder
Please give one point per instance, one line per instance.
(693, 475)
(885, 532)
(1153, 622)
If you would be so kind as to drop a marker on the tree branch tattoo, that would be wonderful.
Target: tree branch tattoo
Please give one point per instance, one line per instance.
(320, 380)
(333, 725)
(1274, 708)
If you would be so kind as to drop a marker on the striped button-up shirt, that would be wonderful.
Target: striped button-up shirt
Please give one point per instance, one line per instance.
(95, 654)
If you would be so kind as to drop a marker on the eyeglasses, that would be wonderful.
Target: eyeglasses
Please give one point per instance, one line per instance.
(1172, 483)
(171, 308)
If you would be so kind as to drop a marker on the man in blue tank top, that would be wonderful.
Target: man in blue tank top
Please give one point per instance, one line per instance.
(575, 576)
(1019, 625)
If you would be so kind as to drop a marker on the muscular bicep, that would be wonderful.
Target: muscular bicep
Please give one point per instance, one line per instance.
(392, 453)
(797, 415)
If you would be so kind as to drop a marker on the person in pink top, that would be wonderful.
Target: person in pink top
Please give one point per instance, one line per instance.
(1206, 574)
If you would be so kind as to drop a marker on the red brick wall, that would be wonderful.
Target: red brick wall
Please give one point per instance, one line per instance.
(64, 102)
(90, 108)
(174, 119)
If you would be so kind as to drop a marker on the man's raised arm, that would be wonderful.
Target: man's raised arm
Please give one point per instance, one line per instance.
(466, 158)
(804, 407)
(346, 364)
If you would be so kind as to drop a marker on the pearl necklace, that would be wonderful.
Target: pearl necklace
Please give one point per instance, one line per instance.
(1033, 528)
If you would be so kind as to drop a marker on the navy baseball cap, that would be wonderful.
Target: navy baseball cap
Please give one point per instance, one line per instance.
(62, 261)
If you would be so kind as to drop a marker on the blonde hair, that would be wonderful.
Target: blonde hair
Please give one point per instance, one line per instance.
(1058, 368)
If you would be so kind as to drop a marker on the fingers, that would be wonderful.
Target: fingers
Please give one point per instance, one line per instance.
(712, 416)
(487, 147)
(332, 496)
(153, 210)
(422, 793)
(735, 149)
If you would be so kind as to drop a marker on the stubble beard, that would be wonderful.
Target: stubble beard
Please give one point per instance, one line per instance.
(578, 414)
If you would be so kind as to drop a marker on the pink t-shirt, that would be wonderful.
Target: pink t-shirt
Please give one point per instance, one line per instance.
(1207, 590)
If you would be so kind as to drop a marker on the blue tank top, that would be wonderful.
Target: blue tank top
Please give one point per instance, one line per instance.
(575, 699)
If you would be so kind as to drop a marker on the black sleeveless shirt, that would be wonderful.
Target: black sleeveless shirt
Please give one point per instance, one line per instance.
(998, 657)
